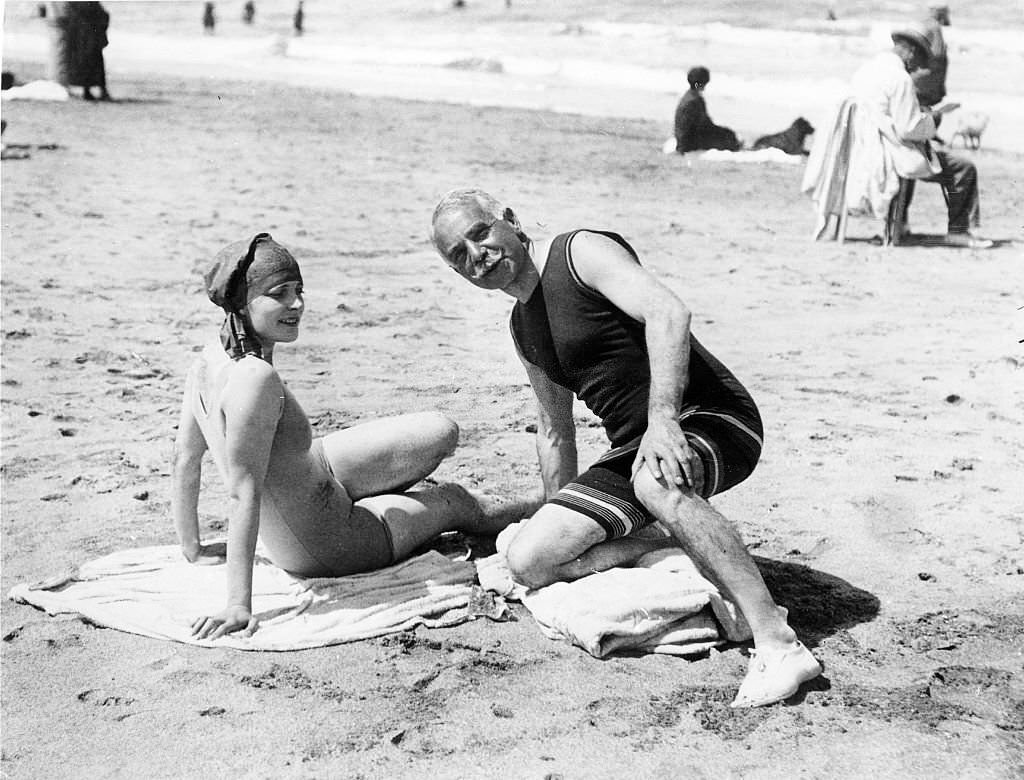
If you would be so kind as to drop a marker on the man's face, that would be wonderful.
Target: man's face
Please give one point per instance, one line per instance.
(486, 251)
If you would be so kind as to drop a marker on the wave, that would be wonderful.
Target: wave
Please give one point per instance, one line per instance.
(599, 68)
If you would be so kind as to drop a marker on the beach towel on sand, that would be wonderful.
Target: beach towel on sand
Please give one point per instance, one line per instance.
(660, 605)
(153, 591)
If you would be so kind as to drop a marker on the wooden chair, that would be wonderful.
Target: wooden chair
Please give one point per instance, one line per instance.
(896, 218)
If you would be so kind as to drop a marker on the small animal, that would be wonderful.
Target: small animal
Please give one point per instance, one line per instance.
(790, 140)
(969, 127)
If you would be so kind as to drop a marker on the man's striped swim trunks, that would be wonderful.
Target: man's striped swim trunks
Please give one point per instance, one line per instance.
(729, 446)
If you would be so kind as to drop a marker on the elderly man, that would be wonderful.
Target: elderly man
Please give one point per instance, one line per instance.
(887, 103)
(590, 321)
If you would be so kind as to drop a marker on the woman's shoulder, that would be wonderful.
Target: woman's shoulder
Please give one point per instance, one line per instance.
(252, 372)
(252, 389)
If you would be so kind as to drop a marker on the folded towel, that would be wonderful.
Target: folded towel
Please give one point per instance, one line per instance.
(741, 156)
(751, 156)
(37, 90)
(660, 605)
(153, 591)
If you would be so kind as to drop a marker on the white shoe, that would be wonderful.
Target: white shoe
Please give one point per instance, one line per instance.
(775, 675)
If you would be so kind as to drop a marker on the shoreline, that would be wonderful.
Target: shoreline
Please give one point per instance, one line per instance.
(640, 76)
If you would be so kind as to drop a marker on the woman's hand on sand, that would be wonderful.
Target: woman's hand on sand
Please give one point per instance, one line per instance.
(226, 621)
(208, 554)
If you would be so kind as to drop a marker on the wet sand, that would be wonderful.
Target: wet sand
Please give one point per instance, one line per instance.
(884, 513)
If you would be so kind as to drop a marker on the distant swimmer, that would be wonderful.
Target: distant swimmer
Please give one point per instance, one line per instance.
(209, 19)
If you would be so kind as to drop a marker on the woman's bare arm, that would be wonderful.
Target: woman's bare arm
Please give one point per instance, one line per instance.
(556, 431)
(186, 473)
(252, 401)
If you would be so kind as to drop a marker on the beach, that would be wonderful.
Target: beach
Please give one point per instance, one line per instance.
(885, 513)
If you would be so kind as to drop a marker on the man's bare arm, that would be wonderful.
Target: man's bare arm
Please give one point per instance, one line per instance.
(556, 431)
(607, 267)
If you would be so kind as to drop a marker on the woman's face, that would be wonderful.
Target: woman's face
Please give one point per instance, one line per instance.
(275, 315)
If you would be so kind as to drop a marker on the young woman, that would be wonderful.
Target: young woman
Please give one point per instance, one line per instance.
(322, 506)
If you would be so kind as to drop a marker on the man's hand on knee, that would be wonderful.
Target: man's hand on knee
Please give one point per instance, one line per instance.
(668, 456)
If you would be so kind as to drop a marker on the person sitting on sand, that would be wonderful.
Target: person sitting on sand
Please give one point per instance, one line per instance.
(694, 128)
(326, 506)
(590, 321)
(888, 109)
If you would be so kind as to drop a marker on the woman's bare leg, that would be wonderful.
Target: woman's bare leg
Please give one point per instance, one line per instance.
(418, 516)
(390, 455)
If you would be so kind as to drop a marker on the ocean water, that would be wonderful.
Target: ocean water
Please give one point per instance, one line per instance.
(770, 61)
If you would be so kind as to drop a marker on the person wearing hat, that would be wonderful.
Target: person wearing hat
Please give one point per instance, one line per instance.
(888, 109)
(693, 127)
(930, 79)
(321, 506)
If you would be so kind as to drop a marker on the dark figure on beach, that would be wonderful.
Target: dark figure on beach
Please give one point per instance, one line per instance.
(78, 36)
(591, 322)
(930, 80)
(299, 19)
(249, 12)
(694, 128)
(209, 19)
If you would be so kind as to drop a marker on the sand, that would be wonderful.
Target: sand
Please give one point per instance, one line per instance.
(885, 513)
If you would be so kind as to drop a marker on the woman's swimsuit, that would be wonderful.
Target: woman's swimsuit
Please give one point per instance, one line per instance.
(307, 523)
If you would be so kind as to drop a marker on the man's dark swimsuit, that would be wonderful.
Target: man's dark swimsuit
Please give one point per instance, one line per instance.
(582, 342)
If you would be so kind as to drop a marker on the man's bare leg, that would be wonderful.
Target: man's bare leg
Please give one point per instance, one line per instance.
(558, 544)
(781, 663)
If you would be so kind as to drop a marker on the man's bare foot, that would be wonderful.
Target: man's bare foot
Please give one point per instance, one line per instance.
(775, 675)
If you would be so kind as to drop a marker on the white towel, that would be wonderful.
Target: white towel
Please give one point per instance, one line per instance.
(769, 155)
(37, 90)
(660, 605)
(153, 591)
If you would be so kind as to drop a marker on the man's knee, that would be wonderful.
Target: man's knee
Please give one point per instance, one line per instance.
(553, 537)
(665, 503)
(528, 567)
(959, 168)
